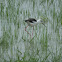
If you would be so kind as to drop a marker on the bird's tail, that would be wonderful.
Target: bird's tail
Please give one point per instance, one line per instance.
(26, 20)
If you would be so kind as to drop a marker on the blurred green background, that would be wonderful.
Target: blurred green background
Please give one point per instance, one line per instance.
(16, 45)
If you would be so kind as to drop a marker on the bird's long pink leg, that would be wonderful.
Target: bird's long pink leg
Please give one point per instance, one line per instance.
(32, 31)
(27, 31)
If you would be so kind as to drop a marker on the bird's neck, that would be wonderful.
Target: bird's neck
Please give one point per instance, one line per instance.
(39, 20)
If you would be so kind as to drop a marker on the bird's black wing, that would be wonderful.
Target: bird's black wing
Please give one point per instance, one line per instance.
(32, 20)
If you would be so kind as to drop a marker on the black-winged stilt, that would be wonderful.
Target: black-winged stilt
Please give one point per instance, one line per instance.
(32, 22)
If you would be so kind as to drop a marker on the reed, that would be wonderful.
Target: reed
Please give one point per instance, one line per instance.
(15, 43)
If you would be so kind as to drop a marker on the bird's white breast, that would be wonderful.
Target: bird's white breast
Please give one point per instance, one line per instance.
(31, 24)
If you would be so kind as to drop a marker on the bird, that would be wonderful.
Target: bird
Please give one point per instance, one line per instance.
(33, 22)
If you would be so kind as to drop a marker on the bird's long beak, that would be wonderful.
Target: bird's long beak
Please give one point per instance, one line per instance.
(44, 24)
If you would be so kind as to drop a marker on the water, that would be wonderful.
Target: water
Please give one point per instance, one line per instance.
(16, 44)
